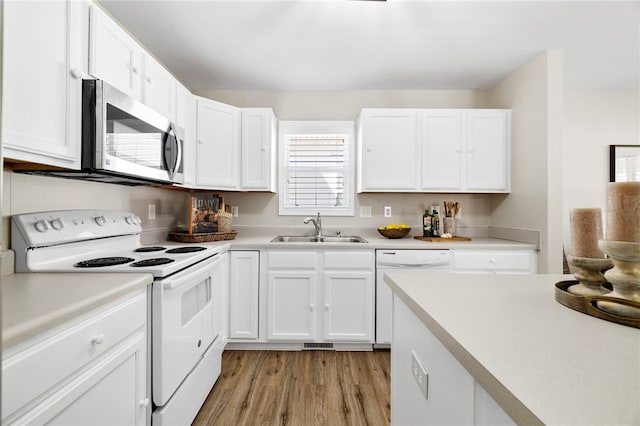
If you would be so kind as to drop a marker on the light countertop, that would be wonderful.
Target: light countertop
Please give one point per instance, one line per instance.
(245, 241)
(541, 361)
(33, 303)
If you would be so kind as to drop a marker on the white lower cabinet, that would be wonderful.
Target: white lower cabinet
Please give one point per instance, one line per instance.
(320, 296)
(92, 370)
(428, 384)
(244, 278)
(495, 261)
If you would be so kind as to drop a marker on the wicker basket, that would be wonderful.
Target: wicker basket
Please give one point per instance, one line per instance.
(394, 233)
(225, 221)
(204, 237)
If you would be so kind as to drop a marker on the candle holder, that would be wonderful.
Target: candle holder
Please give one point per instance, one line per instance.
(590, 275)
(624, 277)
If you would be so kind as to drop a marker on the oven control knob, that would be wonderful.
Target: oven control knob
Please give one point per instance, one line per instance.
(57, 224)
(41, 225)
(101, 220)
(131, 220)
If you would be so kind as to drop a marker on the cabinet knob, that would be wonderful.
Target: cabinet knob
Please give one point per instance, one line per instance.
(134, 69)
(368, 149)
(326, 307)
(97, 340)
(200, 141)
(311, 307)
(144, 402)
(492, 261)
(76, 73)
(471, 151)
(149, 80)
(263, 149)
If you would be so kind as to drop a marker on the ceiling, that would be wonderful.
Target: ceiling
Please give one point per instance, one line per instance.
(383, 45)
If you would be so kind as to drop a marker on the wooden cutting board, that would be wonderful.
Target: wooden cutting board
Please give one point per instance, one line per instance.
(442, 240)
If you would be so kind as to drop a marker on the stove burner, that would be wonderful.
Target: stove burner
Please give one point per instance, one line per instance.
(152, 262)
(186, 249)
(148, 249)
(103, 261)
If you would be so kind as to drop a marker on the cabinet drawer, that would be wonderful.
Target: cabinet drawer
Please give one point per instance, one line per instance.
(351, 259)
(292, 260)
(31, 372)
(502, 261)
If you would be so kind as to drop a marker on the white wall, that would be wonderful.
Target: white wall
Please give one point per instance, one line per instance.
(534, 93)
(262, 208)
(592, 122)
(25, 193)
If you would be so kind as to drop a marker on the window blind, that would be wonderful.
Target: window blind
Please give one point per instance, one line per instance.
(316, 168)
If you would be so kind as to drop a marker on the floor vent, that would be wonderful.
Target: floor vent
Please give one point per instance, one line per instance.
(318, 346)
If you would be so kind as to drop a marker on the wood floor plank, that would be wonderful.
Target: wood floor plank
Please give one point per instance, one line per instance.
(300, 388)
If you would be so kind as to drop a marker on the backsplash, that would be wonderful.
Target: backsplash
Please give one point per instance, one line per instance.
(27, 193)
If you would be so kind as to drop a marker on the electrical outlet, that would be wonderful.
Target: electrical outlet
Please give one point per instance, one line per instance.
(420, 375)
(365, 211)
(387, 211)
(234, 211)
(152, 211)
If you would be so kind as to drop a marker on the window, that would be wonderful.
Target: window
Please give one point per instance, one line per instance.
(316, 172)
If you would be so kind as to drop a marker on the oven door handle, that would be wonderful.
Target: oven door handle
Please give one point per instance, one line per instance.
(195, 276)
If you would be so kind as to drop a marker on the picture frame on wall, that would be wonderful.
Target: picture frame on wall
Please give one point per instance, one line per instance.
(624, 163)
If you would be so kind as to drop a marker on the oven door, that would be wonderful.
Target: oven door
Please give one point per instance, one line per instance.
(182, 327)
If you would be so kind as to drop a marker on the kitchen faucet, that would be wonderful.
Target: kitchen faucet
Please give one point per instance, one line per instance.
(317, 223)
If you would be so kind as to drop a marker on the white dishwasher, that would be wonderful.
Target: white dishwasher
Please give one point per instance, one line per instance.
(393, 260)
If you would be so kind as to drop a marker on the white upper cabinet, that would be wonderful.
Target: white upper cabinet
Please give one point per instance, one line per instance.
(388, 142)
(488, 150)
(258, 149)
(186, 123)
(434, 150)
(43, 65)
(159, 88)
(115, 56)
(121, 61)
(442, 149)
(218, 145)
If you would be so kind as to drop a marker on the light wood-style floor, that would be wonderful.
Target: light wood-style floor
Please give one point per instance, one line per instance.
(304, 388)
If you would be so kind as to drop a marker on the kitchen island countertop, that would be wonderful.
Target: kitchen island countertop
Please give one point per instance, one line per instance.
(33, 303)
(541, 361)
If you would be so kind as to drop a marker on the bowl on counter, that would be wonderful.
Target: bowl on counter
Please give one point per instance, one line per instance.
(394, 232)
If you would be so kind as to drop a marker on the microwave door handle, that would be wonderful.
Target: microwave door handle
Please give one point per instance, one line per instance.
(172, 169)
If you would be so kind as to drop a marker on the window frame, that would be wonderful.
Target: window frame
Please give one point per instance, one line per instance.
(321, 128)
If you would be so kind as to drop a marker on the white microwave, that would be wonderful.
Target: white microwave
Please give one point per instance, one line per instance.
(125, 141)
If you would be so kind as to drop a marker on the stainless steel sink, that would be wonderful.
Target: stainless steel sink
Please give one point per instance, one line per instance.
(316, 239)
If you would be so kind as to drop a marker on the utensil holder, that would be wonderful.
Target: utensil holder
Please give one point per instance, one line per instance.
(624, 277)
(450, 226)
(589, 274)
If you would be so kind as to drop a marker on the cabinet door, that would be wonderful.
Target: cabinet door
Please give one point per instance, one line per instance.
(42, 81)
(186, 121)
(243, 294)
(258, 149)
(488, 156)
(388, 150)
(159, 88)
(291, 305)
(111, 392)
(220, 284)
(348, 306)
(115, 56)
(218, 147)
(441, 149)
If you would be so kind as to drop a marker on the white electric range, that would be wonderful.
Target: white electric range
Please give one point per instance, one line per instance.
(187, 338)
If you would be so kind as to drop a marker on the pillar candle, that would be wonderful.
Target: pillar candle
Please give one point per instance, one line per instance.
(586, 230)
(623, 211)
